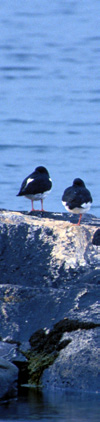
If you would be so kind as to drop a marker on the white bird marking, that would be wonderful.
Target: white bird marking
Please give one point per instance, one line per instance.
(86, 205)
(78, 210)
(29, 181)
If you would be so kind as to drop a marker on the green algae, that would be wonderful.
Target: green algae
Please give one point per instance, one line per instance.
(37, 362)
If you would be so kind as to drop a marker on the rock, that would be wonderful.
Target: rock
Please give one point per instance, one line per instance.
(8, 351)
(49, 271)
(44, 352)
(44, 250)
(8, 379)
(77, 366)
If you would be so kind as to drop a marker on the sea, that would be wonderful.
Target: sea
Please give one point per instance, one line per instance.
(37, 406)
(50, 116)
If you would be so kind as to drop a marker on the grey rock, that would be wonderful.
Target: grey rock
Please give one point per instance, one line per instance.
(8, 351)
(77, 367)
(49, 270)
(25, 310)
(8, 379)
(44, 250)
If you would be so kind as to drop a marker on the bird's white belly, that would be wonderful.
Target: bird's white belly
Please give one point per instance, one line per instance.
(35, 197)
(81, 210)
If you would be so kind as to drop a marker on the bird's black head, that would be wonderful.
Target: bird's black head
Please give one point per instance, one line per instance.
(41, 170)
(78, 182)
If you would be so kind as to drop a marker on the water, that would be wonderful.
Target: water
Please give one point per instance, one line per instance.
(49, 115)
(50, 407)
(49, 97)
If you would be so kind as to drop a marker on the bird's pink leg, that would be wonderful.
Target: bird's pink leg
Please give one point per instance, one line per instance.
(32, 205)
(78, 224)
(42, 209)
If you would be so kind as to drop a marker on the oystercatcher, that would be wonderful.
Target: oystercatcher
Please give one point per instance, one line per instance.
(35, 185)
(96, 238)
(77, 198)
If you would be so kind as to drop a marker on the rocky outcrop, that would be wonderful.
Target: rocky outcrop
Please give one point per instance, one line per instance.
(77, 366)
(8, 379)
(49, 271)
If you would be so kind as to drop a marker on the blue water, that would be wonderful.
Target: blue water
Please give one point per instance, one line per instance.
(51, 407)
(49, 97)
(50, 115)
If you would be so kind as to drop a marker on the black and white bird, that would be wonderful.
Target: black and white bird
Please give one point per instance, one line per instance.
(77, 198)
(96, 238)
(35, 185)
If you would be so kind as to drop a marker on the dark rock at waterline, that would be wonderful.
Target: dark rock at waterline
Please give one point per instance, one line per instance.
(45, 347)
(49, 270)
(8, 379)
(77, 366)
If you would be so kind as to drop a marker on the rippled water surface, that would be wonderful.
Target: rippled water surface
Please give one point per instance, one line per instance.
(50, 407)
(49, 97)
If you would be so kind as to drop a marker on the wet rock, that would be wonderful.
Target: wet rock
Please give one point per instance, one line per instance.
(45, 348)
(77, 366)
(8, 351)
(8, 379)
(49, 271)
(26, 310)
